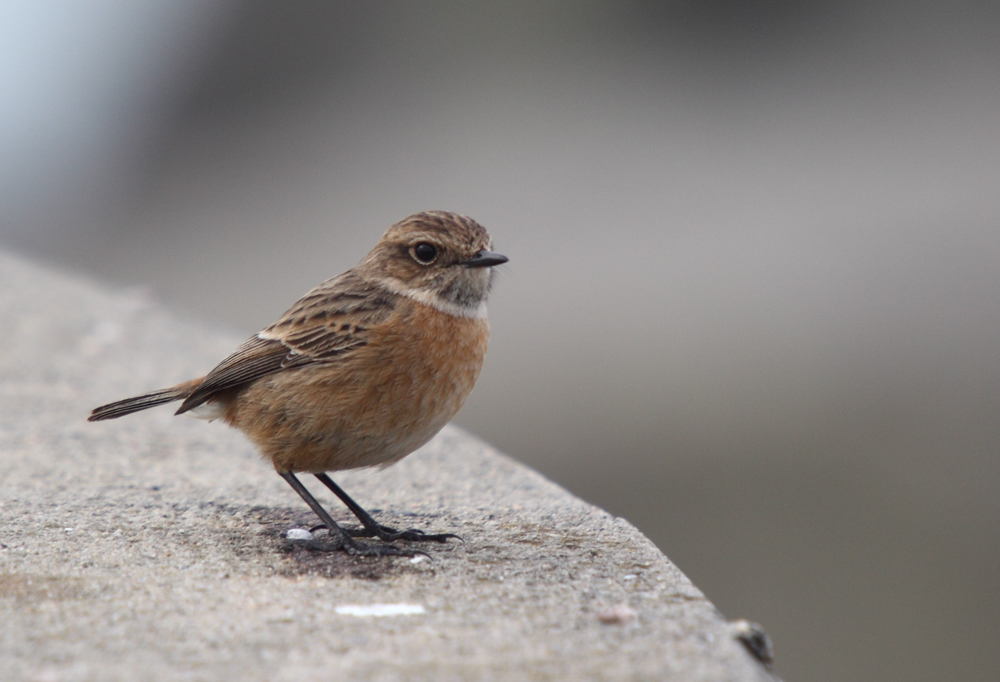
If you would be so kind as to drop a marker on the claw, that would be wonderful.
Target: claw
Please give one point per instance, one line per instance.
(353, 548)
(388, 534)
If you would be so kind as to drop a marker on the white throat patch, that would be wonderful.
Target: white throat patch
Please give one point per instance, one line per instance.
(433, 300)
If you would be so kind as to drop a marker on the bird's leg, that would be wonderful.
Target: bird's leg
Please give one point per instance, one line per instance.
(374, 529)
(343, 540)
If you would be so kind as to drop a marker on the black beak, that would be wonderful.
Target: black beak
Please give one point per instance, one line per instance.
(485, 259)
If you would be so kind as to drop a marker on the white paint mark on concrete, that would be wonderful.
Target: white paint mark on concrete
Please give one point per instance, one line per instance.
(381, 610)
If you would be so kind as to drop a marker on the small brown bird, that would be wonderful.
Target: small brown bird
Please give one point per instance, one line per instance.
(362, 370)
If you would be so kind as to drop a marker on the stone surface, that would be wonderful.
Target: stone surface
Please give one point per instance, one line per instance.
(155, 548)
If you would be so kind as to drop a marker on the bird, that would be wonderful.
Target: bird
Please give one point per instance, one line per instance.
(361, 371)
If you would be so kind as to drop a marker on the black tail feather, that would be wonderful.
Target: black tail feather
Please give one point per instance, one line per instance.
(141, 402)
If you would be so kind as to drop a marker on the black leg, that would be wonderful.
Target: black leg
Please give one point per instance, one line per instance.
(343, 540)
(373, 528)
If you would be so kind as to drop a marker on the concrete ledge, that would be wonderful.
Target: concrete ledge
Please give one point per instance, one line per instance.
(154, 547)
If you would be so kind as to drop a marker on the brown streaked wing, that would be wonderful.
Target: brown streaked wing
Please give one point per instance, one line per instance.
(253, 359)
(332, 319)
(322, 326)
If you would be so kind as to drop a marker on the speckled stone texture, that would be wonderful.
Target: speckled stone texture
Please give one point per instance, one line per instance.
(154, 547)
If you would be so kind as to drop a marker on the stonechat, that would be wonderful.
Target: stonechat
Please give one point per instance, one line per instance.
(362, 370)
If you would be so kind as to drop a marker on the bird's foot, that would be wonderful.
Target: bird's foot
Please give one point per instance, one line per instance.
(387, 534)
(349, 546)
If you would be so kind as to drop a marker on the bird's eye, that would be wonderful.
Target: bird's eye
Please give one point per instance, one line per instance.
(425, 253)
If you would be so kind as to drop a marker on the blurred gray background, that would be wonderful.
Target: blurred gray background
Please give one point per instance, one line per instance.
(753, 302)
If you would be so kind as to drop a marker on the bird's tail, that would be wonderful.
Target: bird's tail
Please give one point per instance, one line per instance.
(145, 401)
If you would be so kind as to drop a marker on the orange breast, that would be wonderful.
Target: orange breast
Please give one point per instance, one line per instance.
(375, 405)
